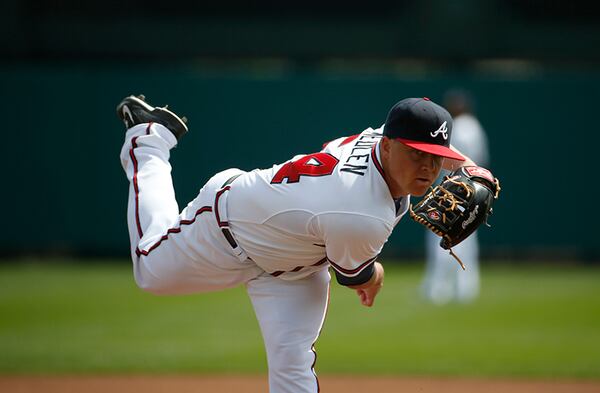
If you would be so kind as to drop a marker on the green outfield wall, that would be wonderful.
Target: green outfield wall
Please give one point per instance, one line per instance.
(64, 190)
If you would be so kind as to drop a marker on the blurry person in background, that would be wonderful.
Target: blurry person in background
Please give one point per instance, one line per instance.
(444, 280)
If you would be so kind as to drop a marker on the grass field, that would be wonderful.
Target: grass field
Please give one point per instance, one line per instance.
(88, 317)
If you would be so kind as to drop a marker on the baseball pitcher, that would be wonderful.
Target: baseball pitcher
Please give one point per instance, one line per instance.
(278, 230)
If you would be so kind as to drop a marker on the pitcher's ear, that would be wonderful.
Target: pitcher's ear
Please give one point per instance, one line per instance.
(386, 144)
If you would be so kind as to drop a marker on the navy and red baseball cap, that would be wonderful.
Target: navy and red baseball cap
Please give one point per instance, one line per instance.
(423, 125)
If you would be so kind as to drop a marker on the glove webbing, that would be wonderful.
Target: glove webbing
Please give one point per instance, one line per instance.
(424, 222)
(453, 202)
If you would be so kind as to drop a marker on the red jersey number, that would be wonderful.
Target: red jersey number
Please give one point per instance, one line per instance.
(316, 164)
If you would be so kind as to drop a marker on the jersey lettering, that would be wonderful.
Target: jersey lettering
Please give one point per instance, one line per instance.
(316, 164)
(356, 169)
(360, 155)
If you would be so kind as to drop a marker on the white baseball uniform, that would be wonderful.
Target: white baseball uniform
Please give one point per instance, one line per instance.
(274, 230)
(444, 280)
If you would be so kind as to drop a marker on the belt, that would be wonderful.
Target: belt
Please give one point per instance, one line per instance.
(220, 210)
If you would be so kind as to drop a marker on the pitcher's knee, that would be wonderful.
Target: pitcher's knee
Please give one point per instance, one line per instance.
(291, 371)
(153, 286)
(153, 282)
(291, 360)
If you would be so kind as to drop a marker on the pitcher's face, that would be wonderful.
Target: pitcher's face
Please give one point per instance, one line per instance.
(408, 170)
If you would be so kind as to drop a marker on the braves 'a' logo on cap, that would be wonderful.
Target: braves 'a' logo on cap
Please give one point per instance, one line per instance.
(442, 130)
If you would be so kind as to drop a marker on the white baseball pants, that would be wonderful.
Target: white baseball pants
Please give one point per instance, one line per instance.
(444, 279)
(181, 253)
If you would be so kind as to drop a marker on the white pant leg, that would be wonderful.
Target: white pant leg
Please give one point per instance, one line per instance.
(152, 205)
(467, 282)
(438, 285)
(174, 253)
(444, 279)
(291, 315)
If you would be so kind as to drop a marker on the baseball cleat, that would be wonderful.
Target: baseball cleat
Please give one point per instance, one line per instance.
(134, 110)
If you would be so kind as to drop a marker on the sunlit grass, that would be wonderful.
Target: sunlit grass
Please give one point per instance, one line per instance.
(541, 321)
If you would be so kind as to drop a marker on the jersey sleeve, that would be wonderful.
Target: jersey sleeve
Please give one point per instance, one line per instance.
(328, 147)
(352, 244)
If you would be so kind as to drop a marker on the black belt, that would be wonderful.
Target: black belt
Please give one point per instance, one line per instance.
(230, 180)
(225, 226)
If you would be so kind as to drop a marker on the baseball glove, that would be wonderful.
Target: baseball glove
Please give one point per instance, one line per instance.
(455, 208)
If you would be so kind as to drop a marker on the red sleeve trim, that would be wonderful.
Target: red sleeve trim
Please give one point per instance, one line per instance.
(349, 139)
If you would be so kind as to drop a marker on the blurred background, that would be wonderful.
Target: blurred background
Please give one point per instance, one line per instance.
(260, 82)
(263, 81)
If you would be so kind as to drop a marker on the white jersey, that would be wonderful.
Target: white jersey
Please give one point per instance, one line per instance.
(331, 207)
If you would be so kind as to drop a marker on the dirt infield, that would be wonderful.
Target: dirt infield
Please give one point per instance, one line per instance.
(257, 384)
